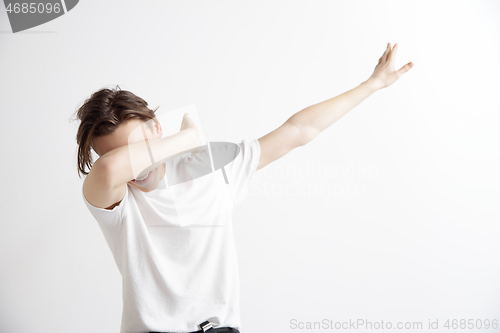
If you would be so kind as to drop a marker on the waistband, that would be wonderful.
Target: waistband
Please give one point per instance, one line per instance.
(207, 327)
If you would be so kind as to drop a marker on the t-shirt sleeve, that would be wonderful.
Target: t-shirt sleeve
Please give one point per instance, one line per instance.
(240, 170)
(109, 219)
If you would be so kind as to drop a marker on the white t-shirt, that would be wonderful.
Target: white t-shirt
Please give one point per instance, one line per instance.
(174, 246)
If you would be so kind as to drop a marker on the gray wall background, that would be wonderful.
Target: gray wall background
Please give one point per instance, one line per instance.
(406, 225)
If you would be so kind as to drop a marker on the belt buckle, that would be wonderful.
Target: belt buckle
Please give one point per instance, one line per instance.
(206, 325)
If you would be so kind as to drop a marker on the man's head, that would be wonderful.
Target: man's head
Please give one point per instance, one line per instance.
(111, 119)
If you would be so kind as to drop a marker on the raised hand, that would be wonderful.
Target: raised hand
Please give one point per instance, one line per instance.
(384, 74)
(187, 122)
(190, 125)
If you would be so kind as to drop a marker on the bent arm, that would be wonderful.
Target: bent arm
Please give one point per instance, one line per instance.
(129, 161)
(105, 185)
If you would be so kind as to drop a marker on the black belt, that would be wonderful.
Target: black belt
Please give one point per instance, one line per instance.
(207, 327)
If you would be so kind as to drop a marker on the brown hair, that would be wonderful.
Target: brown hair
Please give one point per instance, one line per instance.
(101, 114)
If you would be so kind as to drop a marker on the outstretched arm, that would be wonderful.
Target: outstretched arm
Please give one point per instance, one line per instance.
(306, 124)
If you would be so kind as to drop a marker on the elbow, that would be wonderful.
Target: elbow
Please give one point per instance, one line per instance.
(303, 134)
(306, 135)
(102, 172)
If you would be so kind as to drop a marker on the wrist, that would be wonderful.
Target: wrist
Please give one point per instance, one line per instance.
(194, 137)
(372, 84)
(189, 133)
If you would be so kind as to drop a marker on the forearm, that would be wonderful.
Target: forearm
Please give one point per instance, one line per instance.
(315, 118)
(129, 161)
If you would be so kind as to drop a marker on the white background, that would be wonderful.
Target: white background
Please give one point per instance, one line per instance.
(418, 239)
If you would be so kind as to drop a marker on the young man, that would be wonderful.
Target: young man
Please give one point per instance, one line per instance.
(181, 275)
